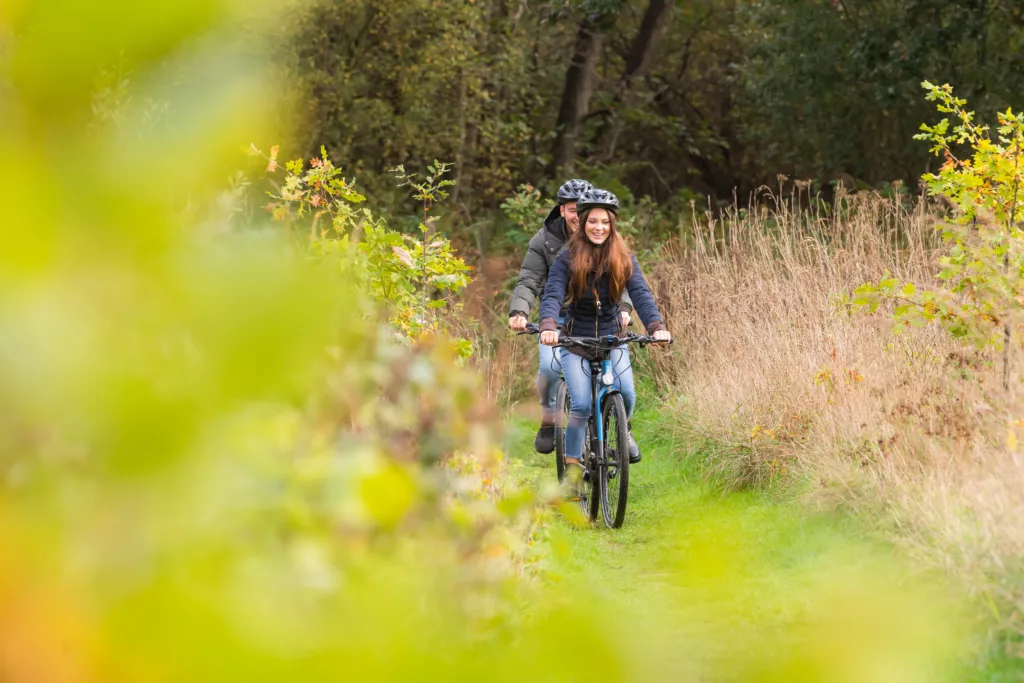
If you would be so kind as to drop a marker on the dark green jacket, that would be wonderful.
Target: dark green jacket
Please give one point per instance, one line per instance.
(544, 247)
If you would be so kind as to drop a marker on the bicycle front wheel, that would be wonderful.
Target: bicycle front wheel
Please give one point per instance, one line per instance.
(612, 467)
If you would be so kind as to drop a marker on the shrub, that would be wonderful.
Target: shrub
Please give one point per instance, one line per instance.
(983, 264)
(415, 278)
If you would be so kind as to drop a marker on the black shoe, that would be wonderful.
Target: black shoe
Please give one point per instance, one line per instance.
(634, 448)
(545, 441)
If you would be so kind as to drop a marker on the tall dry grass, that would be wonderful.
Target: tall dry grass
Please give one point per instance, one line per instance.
(770, 368)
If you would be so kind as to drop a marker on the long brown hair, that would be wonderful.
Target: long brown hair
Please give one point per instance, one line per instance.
(586, 258)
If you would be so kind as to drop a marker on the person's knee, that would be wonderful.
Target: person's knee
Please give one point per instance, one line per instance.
(543, 387)
(581, 413)
(549, 375)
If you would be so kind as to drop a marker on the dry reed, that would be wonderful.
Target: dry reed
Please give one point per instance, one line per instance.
(772, 368)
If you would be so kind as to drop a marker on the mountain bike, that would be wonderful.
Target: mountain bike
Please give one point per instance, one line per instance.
(604, 486)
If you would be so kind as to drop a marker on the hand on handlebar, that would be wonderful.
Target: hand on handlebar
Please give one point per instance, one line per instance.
(663, 335)
(517, 323)
(549, 338)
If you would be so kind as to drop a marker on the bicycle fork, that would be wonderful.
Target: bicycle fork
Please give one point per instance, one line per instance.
(601, 386)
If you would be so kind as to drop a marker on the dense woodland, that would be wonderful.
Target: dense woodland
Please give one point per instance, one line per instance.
(672, 100)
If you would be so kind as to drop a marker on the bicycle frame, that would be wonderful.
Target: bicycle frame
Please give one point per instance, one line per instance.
(600, 390)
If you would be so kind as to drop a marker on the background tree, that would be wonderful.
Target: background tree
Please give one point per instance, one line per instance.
(661, 99)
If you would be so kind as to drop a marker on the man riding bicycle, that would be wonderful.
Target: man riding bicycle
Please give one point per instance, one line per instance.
(545, 245)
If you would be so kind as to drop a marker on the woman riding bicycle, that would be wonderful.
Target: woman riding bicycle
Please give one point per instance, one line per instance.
(594, 268)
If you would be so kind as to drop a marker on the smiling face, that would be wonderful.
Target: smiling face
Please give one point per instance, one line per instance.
(572, 219)
(599, 226)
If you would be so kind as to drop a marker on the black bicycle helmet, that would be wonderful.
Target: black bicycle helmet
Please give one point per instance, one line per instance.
(596, 198)
(571, 191)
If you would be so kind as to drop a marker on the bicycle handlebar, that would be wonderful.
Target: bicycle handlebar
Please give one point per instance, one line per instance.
(608, 341)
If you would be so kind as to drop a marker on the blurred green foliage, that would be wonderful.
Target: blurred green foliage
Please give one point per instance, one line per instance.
(216, 464)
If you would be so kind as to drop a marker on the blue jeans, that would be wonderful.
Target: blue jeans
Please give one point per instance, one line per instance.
(577, 379)
(549, 373)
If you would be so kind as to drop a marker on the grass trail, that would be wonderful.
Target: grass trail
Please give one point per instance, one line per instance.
(750, 586)
(667, 498)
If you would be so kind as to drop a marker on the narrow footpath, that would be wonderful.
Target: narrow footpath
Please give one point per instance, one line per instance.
(705, 585)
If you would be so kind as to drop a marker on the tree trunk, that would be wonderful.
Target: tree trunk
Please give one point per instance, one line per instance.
(463, 151)
(579, 84)
(636, 65)
(645, 42)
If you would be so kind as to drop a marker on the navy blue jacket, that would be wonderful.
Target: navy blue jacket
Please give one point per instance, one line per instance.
(590, 316)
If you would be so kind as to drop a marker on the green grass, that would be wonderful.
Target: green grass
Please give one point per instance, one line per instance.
(665, 492)
(746, 579)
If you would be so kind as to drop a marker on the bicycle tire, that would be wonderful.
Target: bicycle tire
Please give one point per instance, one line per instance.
(587, 499)
(588, 488)
(562, 406)
(612, 469)
(593, 508)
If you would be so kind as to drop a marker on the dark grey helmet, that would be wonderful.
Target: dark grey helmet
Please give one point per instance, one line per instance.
(596, 198)
(571, 191)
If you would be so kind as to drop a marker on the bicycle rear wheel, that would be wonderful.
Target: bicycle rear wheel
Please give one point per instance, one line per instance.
(562, 407)
(587, 493)
(612, 466)
(592, 505)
